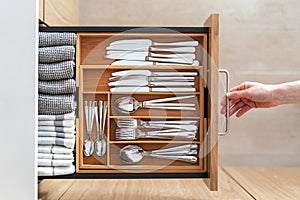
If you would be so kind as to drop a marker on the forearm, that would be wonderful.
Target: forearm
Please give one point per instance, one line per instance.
(287, 93)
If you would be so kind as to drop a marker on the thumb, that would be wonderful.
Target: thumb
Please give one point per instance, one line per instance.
(238, 94)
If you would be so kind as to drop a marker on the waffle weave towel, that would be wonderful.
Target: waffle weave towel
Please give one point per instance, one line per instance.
(56, 54)
(55, 171)
(56, 71)
(70, 135)
(56, 104)
(67, 116)
(54, 163)
(66, 86)
(47, 39)
(66, 142)
(57, 128)
(53, 156)
(54, 149)
(59, 123)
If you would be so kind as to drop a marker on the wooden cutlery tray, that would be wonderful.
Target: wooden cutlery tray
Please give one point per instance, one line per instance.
(92, 76)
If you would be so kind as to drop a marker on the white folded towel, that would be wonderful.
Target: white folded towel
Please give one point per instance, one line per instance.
(53, 156)
(57, 128)
(57, 141)
(54, 163)
(54, 149)
(55, 171)
(67, 116)
(59, 123)
(56, 134)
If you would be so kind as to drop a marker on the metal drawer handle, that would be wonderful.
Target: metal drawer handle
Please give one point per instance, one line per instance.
(224, 71)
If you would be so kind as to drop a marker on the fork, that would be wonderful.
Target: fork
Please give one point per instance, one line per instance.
(133, 134)
(189, 125)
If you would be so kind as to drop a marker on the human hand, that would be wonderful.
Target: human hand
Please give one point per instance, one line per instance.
(247, 96)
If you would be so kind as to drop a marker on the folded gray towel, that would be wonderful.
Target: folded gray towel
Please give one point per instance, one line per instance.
(56, 71)
(54, 163)
(57, 128)
(53, 156)
(67, 116)
(54, 149)
(56, 54)
(47, 39)
(66, 142)
(70, 135)
(55, 171)
(66, 86)
(56, 104)
(58, 123)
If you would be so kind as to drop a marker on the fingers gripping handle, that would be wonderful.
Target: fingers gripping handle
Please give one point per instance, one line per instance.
(226, 131)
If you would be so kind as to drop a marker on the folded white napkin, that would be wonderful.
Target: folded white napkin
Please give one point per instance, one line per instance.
(57, 128)
(53, 156)
(56, 134)
(54, 163)
(55, 171)
(54, 149)
(57, 141)
(60, 123)
(68, 116)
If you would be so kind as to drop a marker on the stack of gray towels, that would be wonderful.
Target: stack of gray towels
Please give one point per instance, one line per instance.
(56, 103)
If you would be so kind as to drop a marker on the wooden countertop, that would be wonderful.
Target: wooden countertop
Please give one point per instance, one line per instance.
(234, 183)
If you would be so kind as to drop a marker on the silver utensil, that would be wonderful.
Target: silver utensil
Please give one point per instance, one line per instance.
(188, 125)
(89, 116)
(132, 154)
(133, 134)
(128, 104)
(150, 63)
(101, 142)
(133, 55)
(152, 43)
(150, 89)
(145, 72)
(152, 78)
(138, 82)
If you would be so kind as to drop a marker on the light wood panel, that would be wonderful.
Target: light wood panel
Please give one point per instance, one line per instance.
(53, 189)
(268, 183)
(41, 10)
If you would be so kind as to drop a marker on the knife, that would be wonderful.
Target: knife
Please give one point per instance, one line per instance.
(137, 47)
(149, 73)
(150, 63)
(146, 83)
(151, 78)
(148, 89)
(132, 55)
(151, 43)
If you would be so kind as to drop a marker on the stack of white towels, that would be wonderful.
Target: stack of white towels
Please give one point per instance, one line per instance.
(56, 119)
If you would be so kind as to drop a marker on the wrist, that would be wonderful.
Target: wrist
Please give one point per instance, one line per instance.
(277, 94)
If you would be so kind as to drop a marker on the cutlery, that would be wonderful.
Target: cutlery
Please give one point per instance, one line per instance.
(152, 78)
(132, 55)
(138, 82)
(149, 89)
(101, 142)
(132, 154)
(89, 117)
(152, 43)
(133, 134)
(149, 73)
(128, 104)
(141, 48)
(150, 63)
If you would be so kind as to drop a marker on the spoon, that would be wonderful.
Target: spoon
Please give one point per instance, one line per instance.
(89, 116)
(132, 154)
(101, 142)
(128, 104)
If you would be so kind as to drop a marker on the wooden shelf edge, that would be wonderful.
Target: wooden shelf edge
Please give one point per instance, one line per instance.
(152, 67)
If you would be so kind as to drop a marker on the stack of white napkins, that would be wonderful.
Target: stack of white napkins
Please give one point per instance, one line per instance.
(56, 141)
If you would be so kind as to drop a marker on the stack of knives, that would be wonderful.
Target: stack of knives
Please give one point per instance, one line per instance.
(146, 52)
(148, 81)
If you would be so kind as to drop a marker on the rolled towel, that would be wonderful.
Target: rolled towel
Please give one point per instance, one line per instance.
(47, 39)
(53, 156)
(56, 54)
(54, 163)
(56, 71)
(66, 86)
(54, 149)
(57, 129)
(61, 123)
(56, 104)
(70, 135)
(55, 171)
(67, 116)
(66, 142)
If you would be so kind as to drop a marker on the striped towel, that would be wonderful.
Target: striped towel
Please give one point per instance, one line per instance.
(53, 156)
(56, 71)
(67, 116)
(70, 135)
(54, 149)
(66, 86)
(47, 39)
(56, 54)
(56, 104)
(61, 123)
(55, 171)
(54, 163)
(57, 129)
(66, 142)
